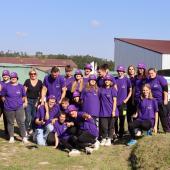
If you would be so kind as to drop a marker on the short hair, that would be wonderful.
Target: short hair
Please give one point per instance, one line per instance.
(152, 69)
(68, 68)
(55, 69)
(102, 67)
(65, 99)
(62, 113)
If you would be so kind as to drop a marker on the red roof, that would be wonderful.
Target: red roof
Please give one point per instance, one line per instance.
(159, 46)
(37, 61)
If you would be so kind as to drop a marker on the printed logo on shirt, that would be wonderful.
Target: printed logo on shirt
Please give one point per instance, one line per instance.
(18, 92)
(155, 85)
(149, 107)
(57, 86)
(123, 86)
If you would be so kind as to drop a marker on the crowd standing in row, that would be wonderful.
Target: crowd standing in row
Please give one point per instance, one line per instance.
(81, 112)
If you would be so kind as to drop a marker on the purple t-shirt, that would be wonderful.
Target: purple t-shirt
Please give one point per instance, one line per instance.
(53, 113)
(147, 109)
(54, 86)
(106, 102)
(91, 102)
(69, 81)
(85, 81)
(123, 86)
(13, 96)
(157, 85)
(90, 127)
(61, 130)
(138, 83)
(100, 81)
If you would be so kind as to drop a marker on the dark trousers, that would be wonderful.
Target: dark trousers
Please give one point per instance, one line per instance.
(164, 117)
(119, 129)
(106, 127)
(4, 117)
(142, 125)
(131, 109)
(20, 118)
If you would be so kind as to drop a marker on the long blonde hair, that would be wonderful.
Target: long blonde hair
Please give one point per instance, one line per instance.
(150, 94)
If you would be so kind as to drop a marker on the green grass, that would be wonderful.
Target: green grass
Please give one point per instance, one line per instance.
(149, 153)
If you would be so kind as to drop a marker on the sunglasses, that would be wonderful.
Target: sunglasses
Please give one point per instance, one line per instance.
(32, 74)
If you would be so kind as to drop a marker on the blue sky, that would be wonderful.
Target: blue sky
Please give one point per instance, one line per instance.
(80, 26)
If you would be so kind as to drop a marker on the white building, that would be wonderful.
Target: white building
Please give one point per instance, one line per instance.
(154, 53)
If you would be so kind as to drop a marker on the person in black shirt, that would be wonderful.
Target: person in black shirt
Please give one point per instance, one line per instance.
(33, 88)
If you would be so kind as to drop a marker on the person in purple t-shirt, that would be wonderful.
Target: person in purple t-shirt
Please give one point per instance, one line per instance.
(45, 118)
(87, 131)
(159, 87)
(147, 114)
(14, 98)
(54, 84)
(139, 81)
(78, 83)
(87, 71)
(123, 95)
(5, 80)
(69, 79)
(108, 111)
(90, 98)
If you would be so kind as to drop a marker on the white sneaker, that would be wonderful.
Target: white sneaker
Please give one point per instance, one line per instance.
(102, 143)
(11, 140)
(96, 145)
(25, 140)
(89, 150)
(139, 133)
(108, 142)
(74, 152)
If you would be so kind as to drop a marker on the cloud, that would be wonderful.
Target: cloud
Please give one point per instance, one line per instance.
(95, 23)
(21, 34)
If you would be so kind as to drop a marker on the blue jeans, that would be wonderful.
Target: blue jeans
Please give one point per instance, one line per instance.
(30, 112)
(42, 134)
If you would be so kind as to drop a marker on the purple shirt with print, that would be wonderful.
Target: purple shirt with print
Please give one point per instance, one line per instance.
(61, 130)
(157, 85)
(91, 102)
(106, 99)
(147, 109)
(54, 86)
(13, 96)
(123, 86)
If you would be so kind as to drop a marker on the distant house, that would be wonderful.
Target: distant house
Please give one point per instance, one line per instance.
(43, 64)
(154, 53)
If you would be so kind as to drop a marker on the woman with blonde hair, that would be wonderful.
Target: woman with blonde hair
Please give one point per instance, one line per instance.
(33, 88)
(146, 115)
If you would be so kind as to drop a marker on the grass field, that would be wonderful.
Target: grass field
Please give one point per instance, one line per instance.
(117, 157)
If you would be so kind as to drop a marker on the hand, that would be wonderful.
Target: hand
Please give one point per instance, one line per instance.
(25, 104)
(53, 121)
(125, 101)
(42, 122)
(155, 129)
(69, 124)
(165, 102)
(113, 114)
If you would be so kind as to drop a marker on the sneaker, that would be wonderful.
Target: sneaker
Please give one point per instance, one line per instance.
(89, 150)
(74, 152)
(132, 142)
(139, 133)
(11, 140)
(108, 142)
(25, 140)
(96, 145)
(103, 141)
(149, 133)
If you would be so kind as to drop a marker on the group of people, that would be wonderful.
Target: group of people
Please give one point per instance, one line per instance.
(84, 110)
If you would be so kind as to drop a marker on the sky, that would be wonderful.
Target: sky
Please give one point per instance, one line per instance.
(80, 27)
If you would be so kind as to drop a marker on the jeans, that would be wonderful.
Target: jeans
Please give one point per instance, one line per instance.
(30, 114)
(20, 118)
(42, 134)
